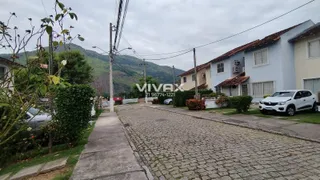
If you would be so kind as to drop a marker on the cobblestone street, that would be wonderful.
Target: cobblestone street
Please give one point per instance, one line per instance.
(182, 147)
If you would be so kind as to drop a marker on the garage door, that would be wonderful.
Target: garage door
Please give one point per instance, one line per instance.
(312, 85)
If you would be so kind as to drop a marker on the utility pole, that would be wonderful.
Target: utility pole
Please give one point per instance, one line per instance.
(195, 74)
(111, 74)
(145, 80)
(174, 77)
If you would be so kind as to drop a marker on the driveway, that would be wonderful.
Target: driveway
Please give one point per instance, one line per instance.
(182, 147)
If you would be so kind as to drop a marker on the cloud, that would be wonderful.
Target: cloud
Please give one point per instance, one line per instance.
(157, 26)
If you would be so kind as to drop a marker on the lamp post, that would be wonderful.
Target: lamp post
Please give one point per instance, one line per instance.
(111, 74)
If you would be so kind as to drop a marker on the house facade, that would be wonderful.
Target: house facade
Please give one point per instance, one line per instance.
(270, 62)
(228, 71)
(5, 73)
(307, 59)
(203, 77)
(260, 67)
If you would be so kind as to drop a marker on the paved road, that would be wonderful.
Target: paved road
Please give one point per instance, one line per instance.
(182, 147)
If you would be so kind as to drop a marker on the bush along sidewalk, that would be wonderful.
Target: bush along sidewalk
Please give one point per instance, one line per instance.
(240, 103)
(180, 97)
(195, 104)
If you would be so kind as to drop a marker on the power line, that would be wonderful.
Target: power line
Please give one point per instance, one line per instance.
(228, 37)
(44, 7)
(123, 20)
(158, 59)
(118, 23)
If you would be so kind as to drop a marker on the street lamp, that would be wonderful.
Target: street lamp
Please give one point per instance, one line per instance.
(111, 74)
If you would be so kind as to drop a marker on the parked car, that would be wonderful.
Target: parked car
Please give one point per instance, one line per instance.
(35, 118)
(289, 102)
(117, 100)
(167, 101)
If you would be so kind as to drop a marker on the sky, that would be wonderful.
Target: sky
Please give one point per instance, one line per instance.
(162, 26)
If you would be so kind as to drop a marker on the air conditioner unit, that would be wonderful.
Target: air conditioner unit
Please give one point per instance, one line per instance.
(236, 63)
(236, 69)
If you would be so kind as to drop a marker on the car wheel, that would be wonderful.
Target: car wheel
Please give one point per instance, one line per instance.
(291, 110)
(170, 103)
(315, 107)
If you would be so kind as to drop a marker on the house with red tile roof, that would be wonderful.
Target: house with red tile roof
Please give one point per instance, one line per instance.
(5, 73)
(203, 76)
(259, 67)
(270, 62)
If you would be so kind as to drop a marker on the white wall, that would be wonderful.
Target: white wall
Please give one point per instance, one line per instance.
(217, 78)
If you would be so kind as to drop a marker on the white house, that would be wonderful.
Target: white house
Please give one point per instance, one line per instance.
(270, 62)
(203, 77)
(5, 73)
(260, 67)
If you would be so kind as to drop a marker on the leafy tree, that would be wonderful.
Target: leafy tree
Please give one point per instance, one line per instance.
(150, 80)
(77, 70)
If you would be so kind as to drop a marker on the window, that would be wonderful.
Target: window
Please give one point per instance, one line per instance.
(314, 48)
(261, 89)
(313, 85)
(2, 72)
(260, 57)
(298, 95)
(220, 67)
(193, 77)
(306, 93)
(184, 79)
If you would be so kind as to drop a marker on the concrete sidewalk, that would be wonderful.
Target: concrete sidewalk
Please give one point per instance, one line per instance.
(108, 154)
(305, 131)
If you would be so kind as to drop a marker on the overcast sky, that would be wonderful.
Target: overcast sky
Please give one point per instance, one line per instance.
(160, 26)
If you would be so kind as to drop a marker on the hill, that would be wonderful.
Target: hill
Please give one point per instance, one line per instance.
(127, 69)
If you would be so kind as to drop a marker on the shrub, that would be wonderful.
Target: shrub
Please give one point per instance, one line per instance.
(180, 97)
(222, 101)
(195, 104)
(240, 103)
(267, 95)
(155, 101)
(74, 105)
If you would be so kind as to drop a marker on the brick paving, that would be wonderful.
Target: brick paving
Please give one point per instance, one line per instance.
(182, 147)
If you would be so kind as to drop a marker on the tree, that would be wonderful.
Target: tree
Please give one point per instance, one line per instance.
(77, 70)
(16, 100)
(150, 80)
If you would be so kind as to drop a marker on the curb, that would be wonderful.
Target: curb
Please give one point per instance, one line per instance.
(241, 125)
(136, 154)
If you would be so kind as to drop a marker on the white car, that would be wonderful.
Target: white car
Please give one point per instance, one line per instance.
(289, 102)
(36, 118)
(168, 101)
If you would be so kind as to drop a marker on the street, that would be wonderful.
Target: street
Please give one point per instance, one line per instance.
(177, 146)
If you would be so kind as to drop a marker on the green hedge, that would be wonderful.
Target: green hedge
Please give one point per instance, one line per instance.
(240, 103)
(74, 106)
(180, 97)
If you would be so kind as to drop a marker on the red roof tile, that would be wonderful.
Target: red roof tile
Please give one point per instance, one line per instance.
(234, 51)
(200, 67)
(202, 86)
(9, 62)
(272, 38)
(312, 31)
(234, 81)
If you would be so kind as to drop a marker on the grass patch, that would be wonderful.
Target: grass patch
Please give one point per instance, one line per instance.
(302, 117)
(133, 103)
(73, 154)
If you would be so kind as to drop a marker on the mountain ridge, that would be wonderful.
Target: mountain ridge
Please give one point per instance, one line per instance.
(127, 70)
